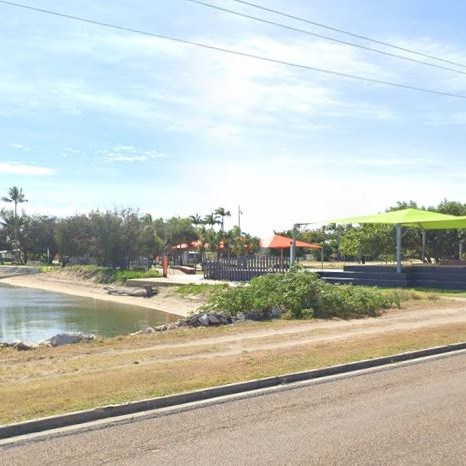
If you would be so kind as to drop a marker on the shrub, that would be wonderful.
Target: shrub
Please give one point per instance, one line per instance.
(302, 295)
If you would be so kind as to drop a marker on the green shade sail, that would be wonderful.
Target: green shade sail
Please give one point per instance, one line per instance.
(411, 218)
(414, 218)
(458, 223)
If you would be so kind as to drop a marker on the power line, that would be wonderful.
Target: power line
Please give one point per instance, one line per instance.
(349, 33)
(235, 52)
(321, 36)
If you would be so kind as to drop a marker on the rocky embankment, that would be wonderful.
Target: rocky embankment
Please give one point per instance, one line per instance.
(141, 292)
(208, 319)
(202, 319)
(57, 340)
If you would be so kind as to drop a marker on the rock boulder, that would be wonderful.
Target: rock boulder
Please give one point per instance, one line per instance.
(66, 339)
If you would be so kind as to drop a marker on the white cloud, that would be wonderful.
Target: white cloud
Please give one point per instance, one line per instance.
(25, 169)
(436, 119)
(380, 159)
(349, 143)
(19, 147)
(392, 161)
(128, 153)
(68, 152)
(199, 92)
(449, 81)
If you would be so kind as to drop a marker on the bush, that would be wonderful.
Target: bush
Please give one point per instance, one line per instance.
(302, 295)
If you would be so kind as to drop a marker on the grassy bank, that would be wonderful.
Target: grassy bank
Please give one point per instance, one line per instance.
(103, 275)
(50, 381)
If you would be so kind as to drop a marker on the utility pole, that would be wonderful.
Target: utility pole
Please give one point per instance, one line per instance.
(239, 218)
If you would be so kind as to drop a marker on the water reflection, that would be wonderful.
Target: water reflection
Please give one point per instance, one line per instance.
(33, 315)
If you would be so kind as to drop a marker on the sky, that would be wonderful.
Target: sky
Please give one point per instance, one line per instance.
(95, 118)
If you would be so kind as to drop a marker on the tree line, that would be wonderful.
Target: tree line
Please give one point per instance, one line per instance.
(116, 238)
(119, 238)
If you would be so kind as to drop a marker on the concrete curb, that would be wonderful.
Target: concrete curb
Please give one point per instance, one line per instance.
(81, 417)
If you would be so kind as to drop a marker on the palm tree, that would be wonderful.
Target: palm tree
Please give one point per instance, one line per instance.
(203, 241)
(211, 219)
(196, 220)
(16, 196)
(222, 213)
(11, 227)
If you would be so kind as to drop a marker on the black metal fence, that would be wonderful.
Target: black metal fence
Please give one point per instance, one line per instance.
(242, 269)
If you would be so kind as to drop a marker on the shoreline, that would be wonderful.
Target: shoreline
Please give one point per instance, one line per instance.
(164, 301)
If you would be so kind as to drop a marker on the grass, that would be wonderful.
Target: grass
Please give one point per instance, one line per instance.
(50, 381)
(440, 292)
(203, 289)
(430, 294)
(123, 275)
(103, 274)
(85, 389)
(49, 268)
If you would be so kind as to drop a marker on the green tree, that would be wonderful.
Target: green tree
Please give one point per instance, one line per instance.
(222, 213)
(175, 230)
(444, 244)
(16, 196)
(150, 245)
(14, 231)
(196, 220)
(369, 242)
(131, 224)
(73, 237)
(40, 237)
(212, 220)
(108, 244)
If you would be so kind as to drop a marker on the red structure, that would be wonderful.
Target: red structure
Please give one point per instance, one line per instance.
(282, 242)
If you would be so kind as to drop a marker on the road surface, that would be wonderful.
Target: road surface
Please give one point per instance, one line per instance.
(409, 415)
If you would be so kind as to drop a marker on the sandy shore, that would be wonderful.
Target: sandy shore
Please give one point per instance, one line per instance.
(166, 300)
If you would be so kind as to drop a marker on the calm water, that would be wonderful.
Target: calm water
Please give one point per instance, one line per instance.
(33, 315)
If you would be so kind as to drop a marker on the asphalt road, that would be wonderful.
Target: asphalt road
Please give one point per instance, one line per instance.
(410, 415)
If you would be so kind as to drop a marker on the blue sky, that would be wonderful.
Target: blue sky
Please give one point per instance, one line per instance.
(97, 118)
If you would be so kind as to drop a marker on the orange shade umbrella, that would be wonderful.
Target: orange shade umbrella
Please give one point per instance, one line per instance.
(282, 242)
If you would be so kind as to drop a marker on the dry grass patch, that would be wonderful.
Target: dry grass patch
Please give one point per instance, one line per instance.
(52, 381)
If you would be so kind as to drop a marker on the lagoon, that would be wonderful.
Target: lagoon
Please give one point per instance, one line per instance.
(33, 315)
